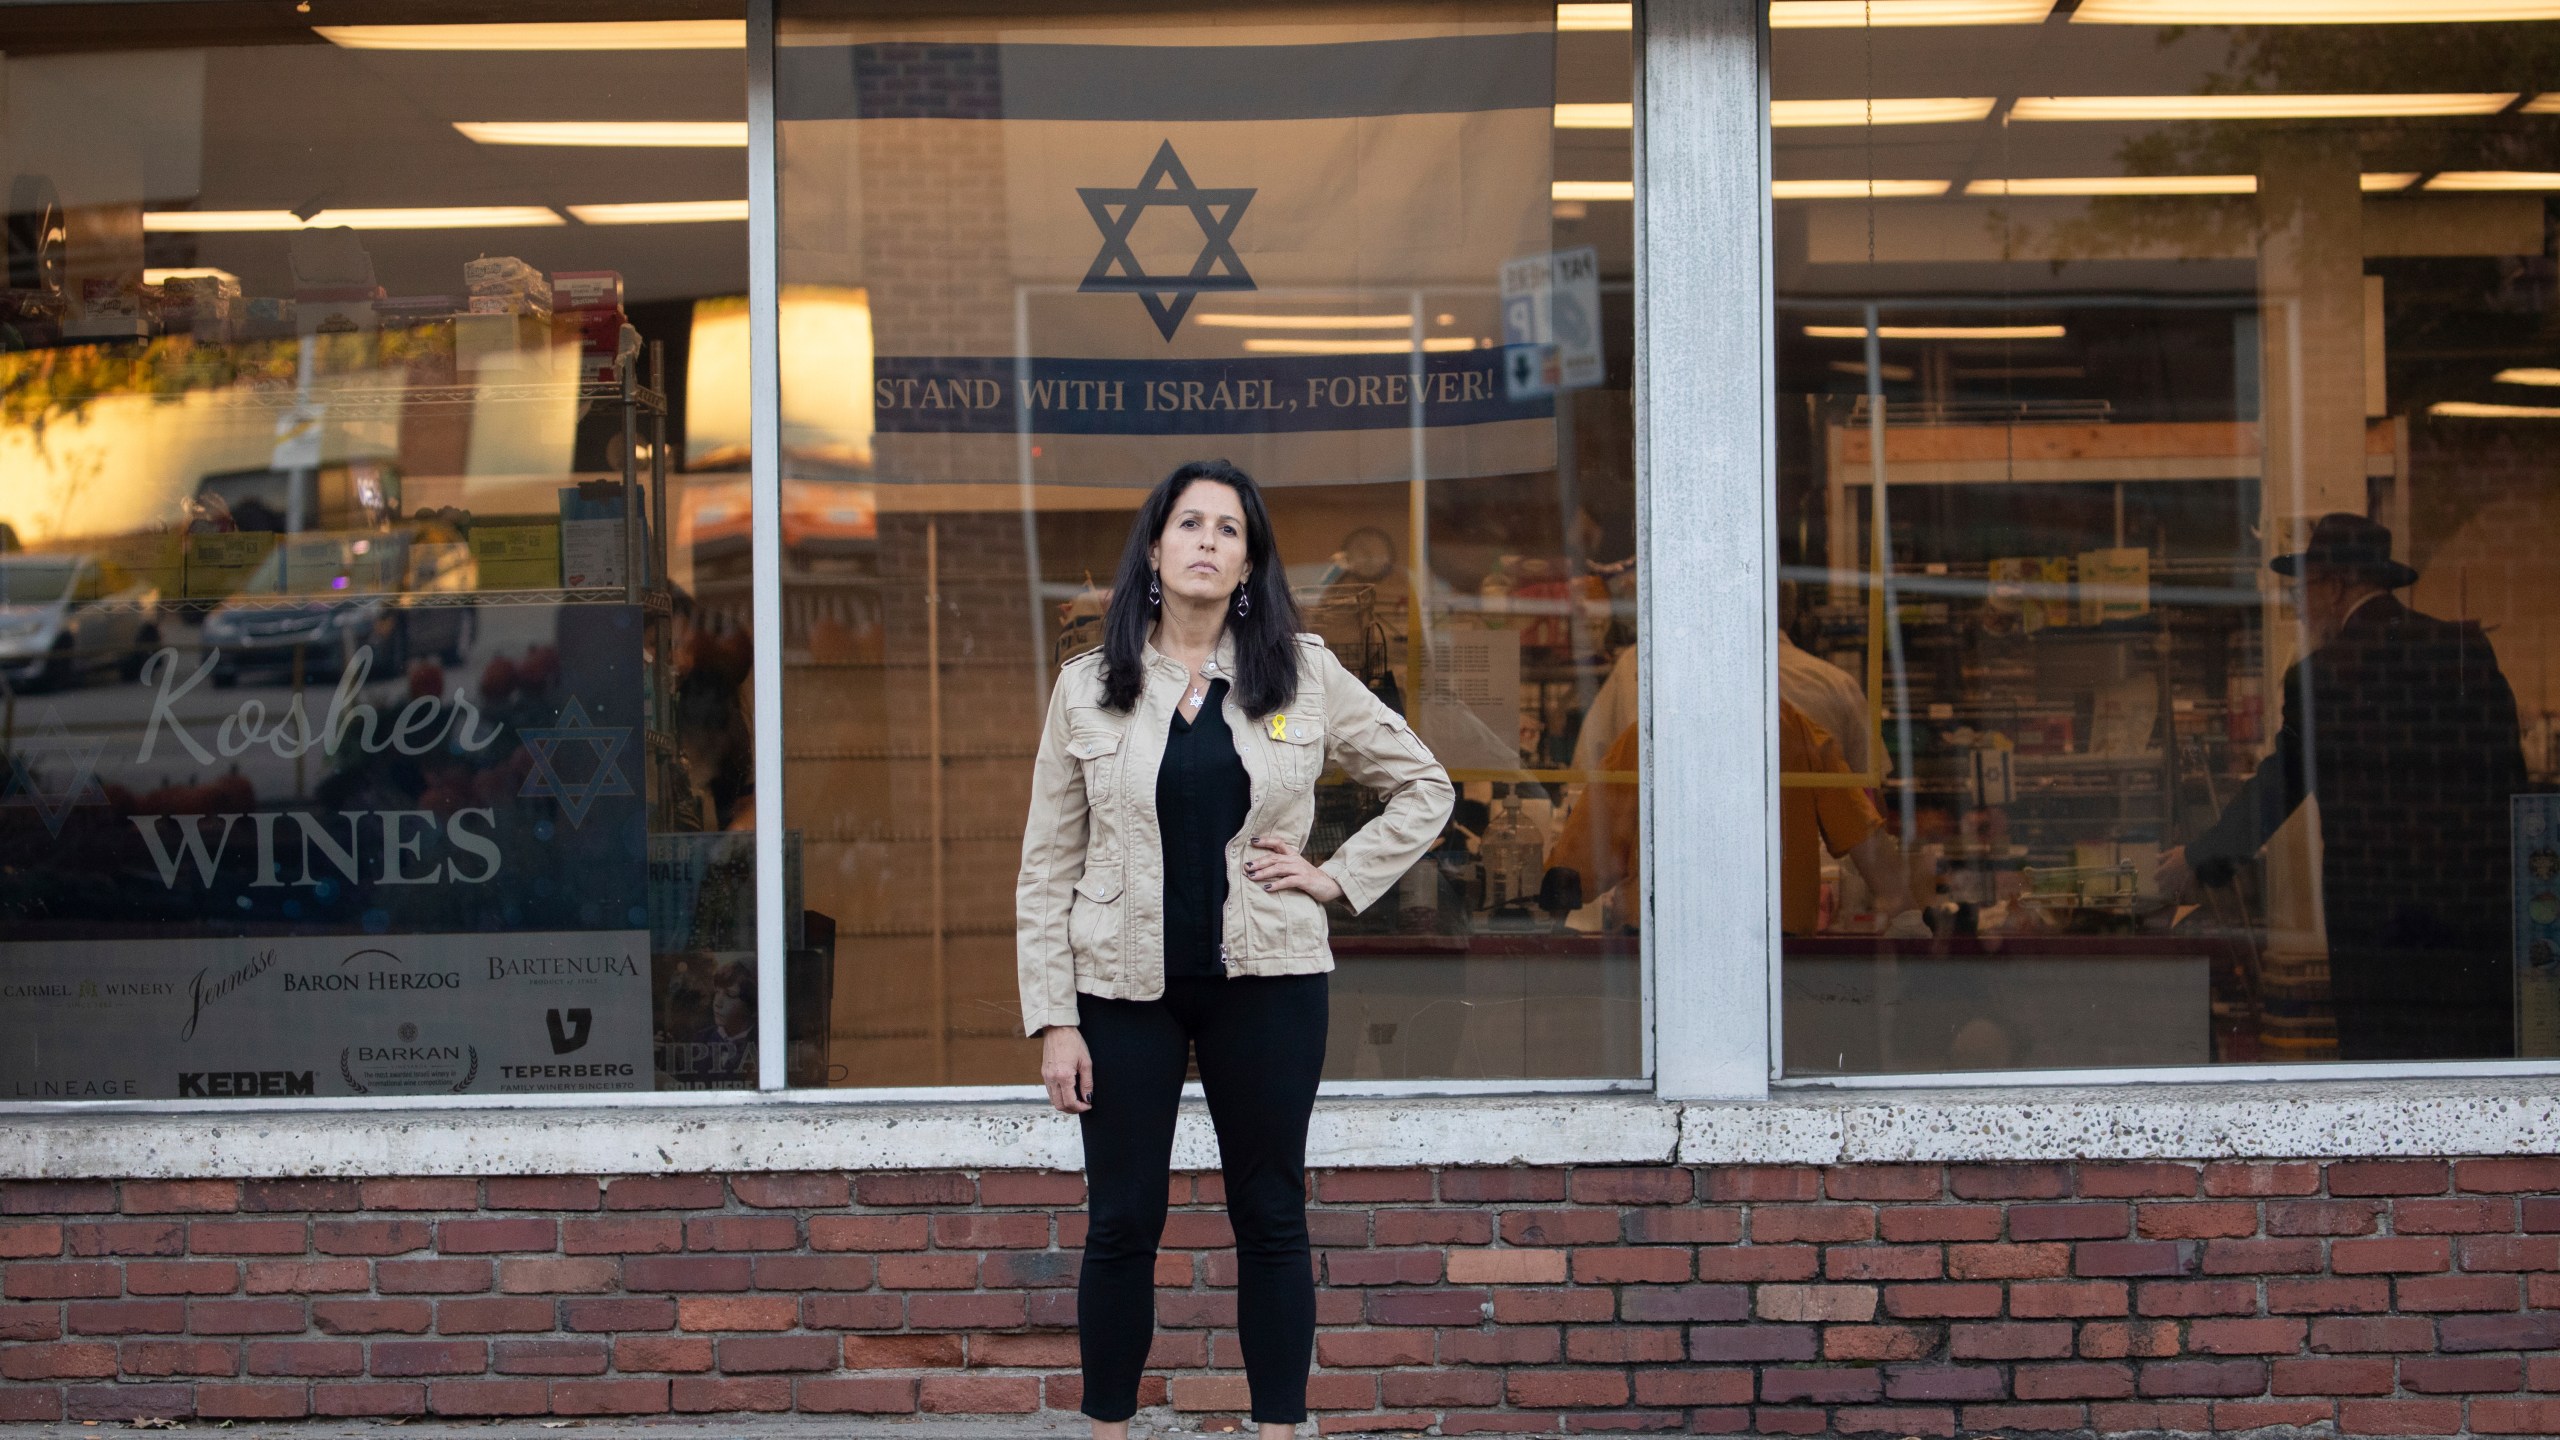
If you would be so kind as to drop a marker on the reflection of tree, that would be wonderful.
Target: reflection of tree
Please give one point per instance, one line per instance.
(38, 386)
(2324, 59)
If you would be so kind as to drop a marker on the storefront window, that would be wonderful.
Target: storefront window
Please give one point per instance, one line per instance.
(373, 587)
(2164, 504)
(1033, 258)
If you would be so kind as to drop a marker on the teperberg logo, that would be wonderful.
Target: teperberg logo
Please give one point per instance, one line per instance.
(569, 1029)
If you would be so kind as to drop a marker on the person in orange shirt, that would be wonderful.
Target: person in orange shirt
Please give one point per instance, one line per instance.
(1599, 838)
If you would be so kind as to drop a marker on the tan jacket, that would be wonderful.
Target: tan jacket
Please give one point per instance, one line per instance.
(1089, 909)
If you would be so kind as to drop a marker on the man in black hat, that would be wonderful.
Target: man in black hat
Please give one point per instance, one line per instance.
(2404, 728)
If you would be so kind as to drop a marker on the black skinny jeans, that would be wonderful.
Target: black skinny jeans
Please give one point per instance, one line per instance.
(1261, 1047)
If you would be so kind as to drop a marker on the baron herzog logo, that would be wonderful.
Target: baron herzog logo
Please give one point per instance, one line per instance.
(1116, 268)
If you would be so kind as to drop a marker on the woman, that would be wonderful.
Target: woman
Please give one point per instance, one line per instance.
(1165, 904)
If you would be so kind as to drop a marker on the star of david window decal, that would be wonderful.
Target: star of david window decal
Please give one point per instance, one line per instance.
(51, 771)
(605, 778)
(1117, 269)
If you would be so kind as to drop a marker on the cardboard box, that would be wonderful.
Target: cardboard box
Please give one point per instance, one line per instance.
(517, 555)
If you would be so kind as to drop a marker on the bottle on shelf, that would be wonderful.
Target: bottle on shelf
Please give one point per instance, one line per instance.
(1514, 853)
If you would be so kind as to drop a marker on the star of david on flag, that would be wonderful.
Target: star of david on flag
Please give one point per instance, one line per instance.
(52, 771)
(1116, 266)
(602, 778)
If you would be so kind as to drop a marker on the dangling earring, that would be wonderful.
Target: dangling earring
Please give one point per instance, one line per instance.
(1155, 592)
(1244, 603)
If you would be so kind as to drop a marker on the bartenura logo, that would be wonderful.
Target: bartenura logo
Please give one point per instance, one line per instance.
(242, 1084)
(569, 1028)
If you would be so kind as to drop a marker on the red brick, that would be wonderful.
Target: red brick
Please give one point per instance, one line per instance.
(2264, 1257)
(1003, 1187)
(2461, 1374)
(1499, 1422)
(2010, 1341)
(488, 1397)
(2388, 1177)
(2436, 1294)
(308, 1277)
(2247, 1337)
(431, 1277)
(1818, 1224)
(247, 1317)
(1645, 1185)
(1762, 1184)
(709, 1394)
(1373, 1187)
(2009, 1182)
(1870, 1343)
(305, 1358)
(1816, 1386)
(2538, 1330)
(737, 1312)
(2393, 1256)
(1023, 1269)
(1945, 1382)
(1908, 1421)
(549, 1357)
(1561, 1227)
(2400, 1417)
(1925, 1302)
(2261, 1179)
(689, 1272)
(127, 1402)
(181, 1197)
(518, 1234)
(1625, 1345)
(1433, 1227)
(69, 1281)
(665, 1192)
(684, 1353)
(1342, 1392)
(73, 1360)
(1882, 1262)
(2169, 1379)
(1017, 1232)
(619, 1235)
(1552, 1307)
(967, 1312)
(2129, 1340)
(1682, 1225)
(608, 1397)
(869, 1234)
(511, 1315)
(1631, 1265)
(731, 1233)
(546, 1275)
(976, 1395)
(299, 1196)
(2137, 1180)
(1507, 1345)
(1439, 1389)
(2231, 1416)
(1745, 1343)
(1994, 1419)
(767, 1354)
(2328, 1297)
(1353, 1349)
(1512, 1186)
(1692, 1303)
(448, 1194)
(1744, 1264)
(57, 1197)
(1201, 1312)
(2508, 1175)
(1022, 1352)
(1773, 1420)
(2197, 1297)
(122, 1237)
(370, 1237)
(2196, 1220)
(25, 1405)
(2008, 1262)
(2324, 1217)
(1884, 1182)
(2508, 1252)
(1817, 1303)
(126, 1317)
(248, 1237)
(252, 1402)
(369, 1399)
(2466, 1215)
(405, 1358)
(2515, 1417)
(2085, 1220)
(903, 1352)
(857, 1396)
(1693, 1387)
(543, 1192)
(30, 1241)
(43, 1320)
(940, 1189)
(927, 1272)
(2136, 1257)
(2312, 1375)
(1926, 1223)
(1566, 1389)
(1378, 1424)
(372, 1317)
(2354, 1334)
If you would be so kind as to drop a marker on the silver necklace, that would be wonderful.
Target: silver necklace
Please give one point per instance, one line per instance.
(1200, 690)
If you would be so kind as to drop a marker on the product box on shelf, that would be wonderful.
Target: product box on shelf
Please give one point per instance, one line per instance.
(587, 312)
(517, 553)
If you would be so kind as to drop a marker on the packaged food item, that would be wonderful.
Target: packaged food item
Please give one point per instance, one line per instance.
(505, 285)
(587, 310)
(591, 534)
(521, 554)
(105, 307)
(205, 306)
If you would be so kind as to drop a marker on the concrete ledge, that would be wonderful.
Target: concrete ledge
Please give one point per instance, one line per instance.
(2515, 1116)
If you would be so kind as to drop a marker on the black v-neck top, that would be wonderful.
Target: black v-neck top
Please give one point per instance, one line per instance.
(1202, 794)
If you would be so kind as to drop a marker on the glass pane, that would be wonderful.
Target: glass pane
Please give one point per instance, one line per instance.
(373, 607)
(2164, 530)
(1037, 256)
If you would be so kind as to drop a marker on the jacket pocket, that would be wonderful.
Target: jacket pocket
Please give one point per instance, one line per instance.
(1095, 747)
(1093, 922)
(1297, 746)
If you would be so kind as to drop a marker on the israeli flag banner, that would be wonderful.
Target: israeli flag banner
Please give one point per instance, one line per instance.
(1090, 249)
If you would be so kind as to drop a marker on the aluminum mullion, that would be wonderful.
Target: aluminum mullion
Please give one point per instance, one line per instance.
(764, 487)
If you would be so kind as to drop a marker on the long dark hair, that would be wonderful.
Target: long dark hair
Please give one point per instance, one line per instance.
(1265, 635)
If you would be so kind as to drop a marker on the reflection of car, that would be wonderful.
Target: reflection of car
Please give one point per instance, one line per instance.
(339, 496)
(405, 592)
(62, 616)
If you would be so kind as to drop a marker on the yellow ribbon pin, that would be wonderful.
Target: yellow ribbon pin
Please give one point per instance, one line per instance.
(1279, 727)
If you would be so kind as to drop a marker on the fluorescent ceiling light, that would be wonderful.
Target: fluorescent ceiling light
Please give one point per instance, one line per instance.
(2546, 103)
(1853, 189)
(2306, 12)
(1936, 332)
(1852, 15)
(560, 35)
(2530, 375)
(441, 217)
(187, 272)
(1278, 345)
(1619, 115)
(2383, 180)
(1594, 190)
(2253, 107)
(1799, 114)
(1229, 320)
(2117, 185)
(663, 134)
(2496, 180)
(2475, 410)
(661, 212)
(1595, 17)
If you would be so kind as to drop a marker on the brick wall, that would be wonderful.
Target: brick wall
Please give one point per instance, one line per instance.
(2384, 1297)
